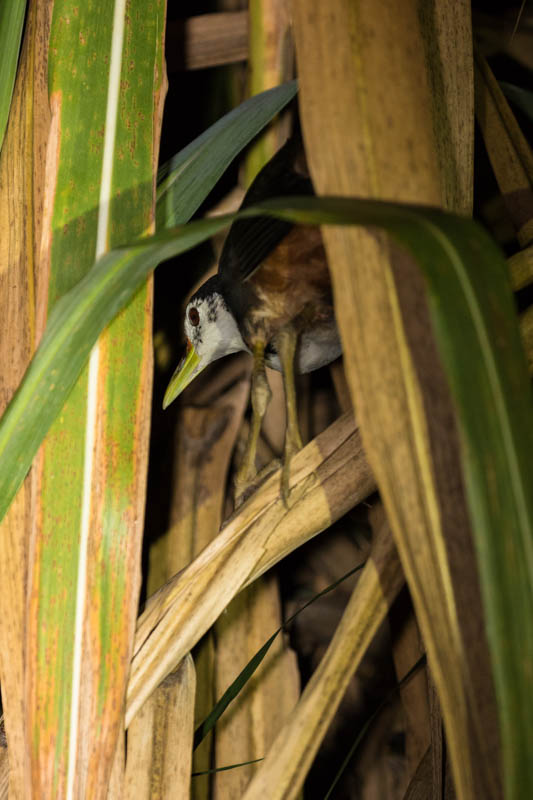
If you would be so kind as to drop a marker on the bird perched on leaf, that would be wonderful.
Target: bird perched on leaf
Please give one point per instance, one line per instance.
(272, 298)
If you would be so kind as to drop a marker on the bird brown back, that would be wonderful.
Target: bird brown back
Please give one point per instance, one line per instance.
(292, 285)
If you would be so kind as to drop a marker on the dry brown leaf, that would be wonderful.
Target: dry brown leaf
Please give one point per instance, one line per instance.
(526, 329)
(407, 649)
(281, 775)
(341, 385)
(205, 438)
(329, 477)
(21, 200)
(507, 148)
(204, 441)
(160, 740)
(250, 724)
(420, 786)
(521, 268)
(115, 789)
(250, 619)
(4, 773)
(363, 67)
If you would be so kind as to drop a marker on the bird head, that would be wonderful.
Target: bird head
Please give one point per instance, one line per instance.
(211, 332)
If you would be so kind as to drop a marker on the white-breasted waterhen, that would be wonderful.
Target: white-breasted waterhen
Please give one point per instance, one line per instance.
(272, 298)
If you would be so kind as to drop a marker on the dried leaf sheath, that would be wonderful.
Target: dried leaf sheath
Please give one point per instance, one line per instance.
(254, 540)
(160, 740)
(204, 441)
(359, 81)
(21, 191)
(281, 775)
(250, 618)
(508, 150)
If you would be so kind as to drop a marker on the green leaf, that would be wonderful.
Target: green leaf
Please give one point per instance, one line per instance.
(11, 24)
(186, 180)
(477, 334)
(105, 72)
(223, 769)
(73, 327)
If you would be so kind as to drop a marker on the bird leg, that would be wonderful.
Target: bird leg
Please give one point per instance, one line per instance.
(261, 395)
(286, 341)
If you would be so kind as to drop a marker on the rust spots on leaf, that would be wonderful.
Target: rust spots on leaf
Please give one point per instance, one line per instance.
(50, 184)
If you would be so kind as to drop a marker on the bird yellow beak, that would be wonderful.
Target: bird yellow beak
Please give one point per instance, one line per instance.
(187, 369)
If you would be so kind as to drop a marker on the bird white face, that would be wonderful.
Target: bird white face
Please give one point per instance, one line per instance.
(211, 333)
(211, 329)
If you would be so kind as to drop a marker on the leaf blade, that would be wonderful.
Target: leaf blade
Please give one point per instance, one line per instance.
(11, 26)
(187, 178)
(494, 420)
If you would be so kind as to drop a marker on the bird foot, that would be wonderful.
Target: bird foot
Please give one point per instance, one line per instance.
(244, 488)
(293, 444)
(286, 341)
(261, 395)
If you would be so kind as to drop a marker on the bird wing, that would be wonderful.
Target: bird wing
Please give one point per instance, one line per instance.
(250, 241)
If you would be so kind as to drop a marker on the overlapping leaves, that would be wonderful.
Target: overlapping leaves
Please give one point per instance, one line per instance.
(475, 326)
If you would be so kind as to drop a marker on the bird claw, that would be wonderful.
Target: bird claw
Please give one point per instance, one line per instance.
(285, 478)
(293, 445)
(247, 481)
(246, 486)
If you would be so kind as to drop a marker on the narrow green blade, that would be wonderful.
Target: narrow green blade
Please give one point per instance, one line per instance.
(248, 670)
(185, 180)
(11, 24)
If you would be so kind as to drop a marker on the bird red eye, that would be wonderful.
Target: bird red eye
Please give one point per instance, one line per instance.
(194, 316)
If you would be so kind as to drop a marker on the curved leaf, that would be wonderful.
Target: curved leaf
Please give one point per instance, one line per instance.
(185, 180)
(477, 334)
